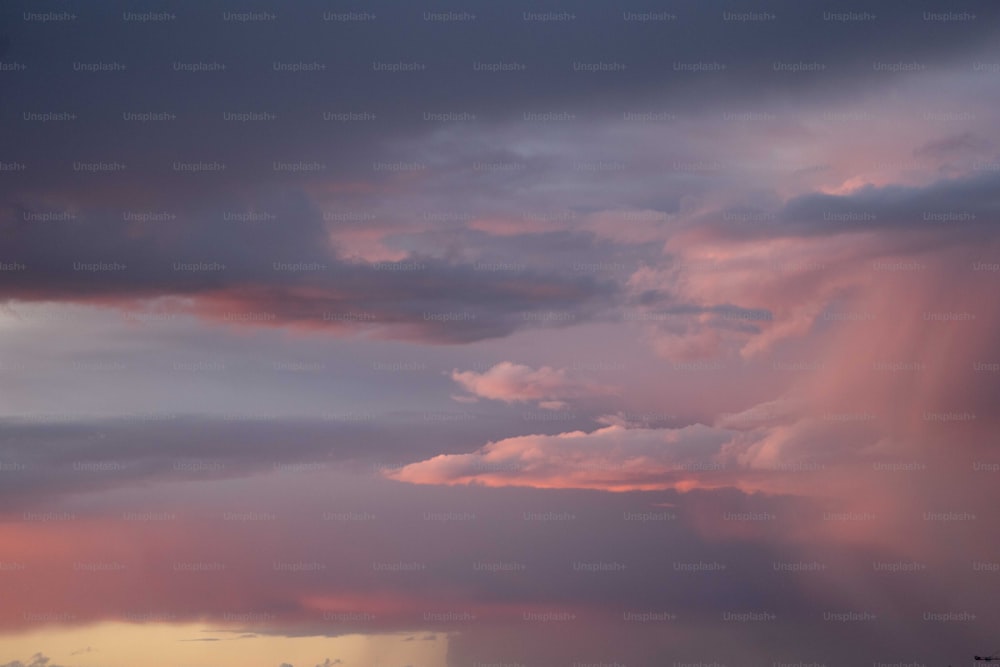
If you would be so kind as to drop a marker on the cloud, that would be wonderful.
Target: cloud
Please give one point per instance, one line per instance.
(766, 224)
(612, 458)
(286, 275)
(37, 660)
(964, 143)
(517, 383)
(899, 208)
(48, 456)
(751, 450)
(732, 287)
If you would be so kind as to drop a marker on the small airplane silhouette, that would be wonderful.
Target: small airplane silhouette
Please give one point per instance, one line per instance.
(988, 658)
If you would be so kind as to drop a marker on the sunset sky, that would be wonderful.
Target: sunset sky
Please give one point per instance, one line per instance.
(499, 334)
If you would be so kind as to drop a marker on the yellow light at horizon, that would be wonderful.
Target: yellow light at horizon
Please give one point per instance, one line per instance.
(115, 644)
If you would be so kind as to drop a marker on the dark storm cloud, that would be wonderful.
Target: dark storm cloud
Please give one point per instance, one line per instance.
(749, 41)
(597, 33)
(42, 459)
(972, 201)
(950, 211)
(419, 304)
(951, 146)
(285, 267)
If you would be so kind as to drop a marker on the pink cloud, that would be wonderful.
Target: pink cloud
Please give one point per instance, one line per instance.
(517, 383)
(612, 458)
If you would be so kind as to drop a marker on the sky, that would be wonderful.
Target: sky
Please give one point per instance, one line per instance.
(384, 334)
